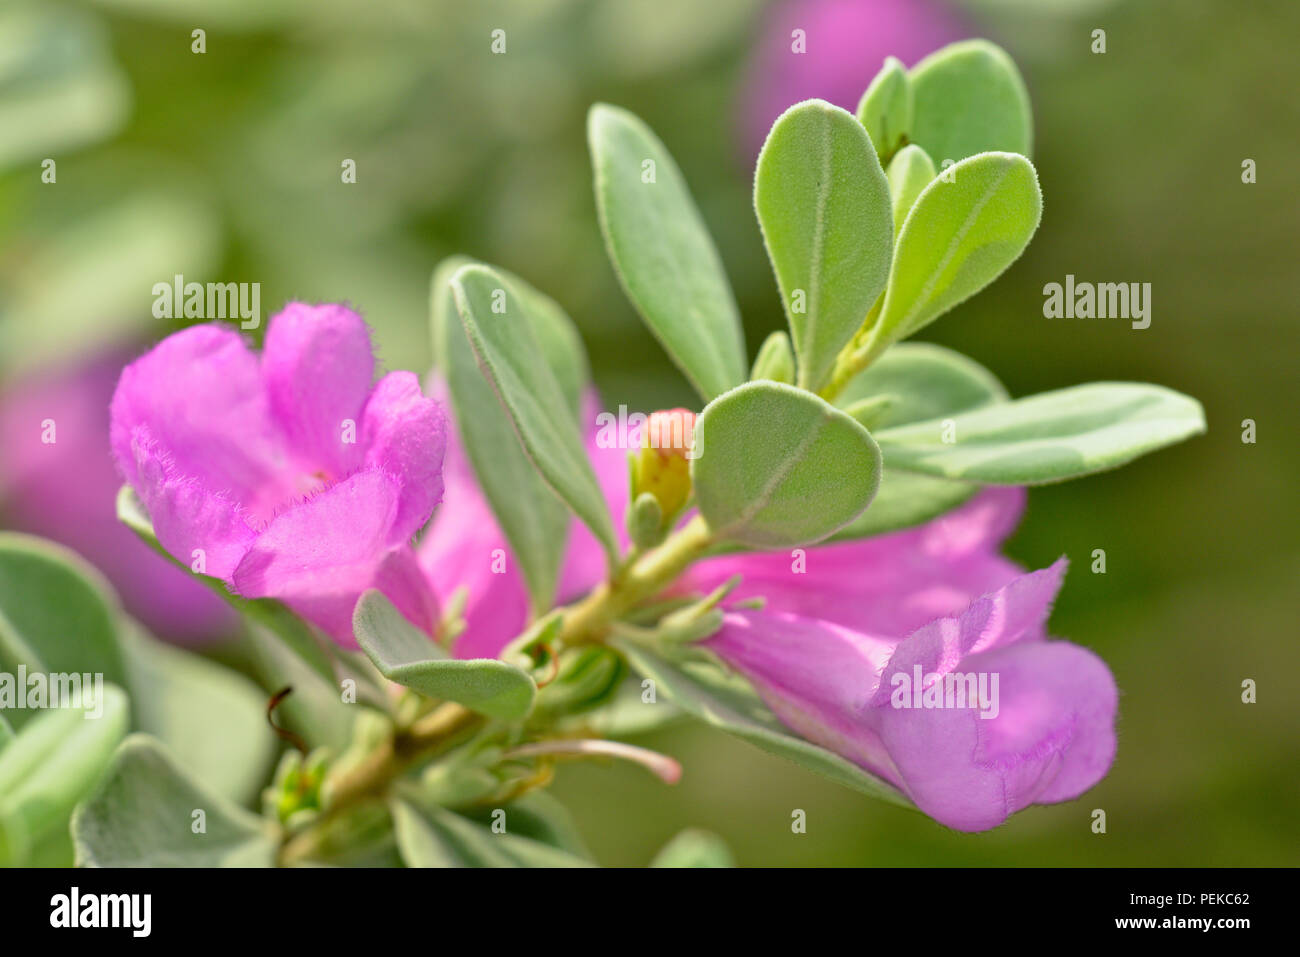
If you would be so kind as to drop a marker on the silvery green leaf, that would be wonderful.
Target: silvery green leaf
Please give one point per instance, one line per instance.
(404, 654)
(57, 613)
(145, 815)
(710, 694)
(534, 520)
(694, 848)
(212, 718)
(910, 171)
(965, 229)
(823, 205)
(885, 109)
(436, 837)
(775, 359)
(969, 98)
(778, 466)
(905, 500)
(493, 317)
(52, 763)
(925, 381)
(1047, 437)
(662, 252)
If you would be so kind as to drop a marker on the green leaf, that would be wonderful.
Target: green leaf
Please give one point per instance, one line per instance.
(778, 466)
(436, 837)
(56, 613)
(6, 732)
(925, 381)
(694, 848)
(534, 520)
(662, 252)
(958, 238)
(55, 759)
(272, 616)
(212, 718)
(145, 816)
(969, 98)
(906, 500)
(910, 171)
(404, 654)
(775, 359)
(726, 701)
(885, 109)
(1048, 437)
(508, 353)
(823, 205)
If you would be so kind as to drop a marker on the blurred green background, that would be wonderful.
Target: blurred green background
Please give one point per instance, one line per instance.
(226, 166)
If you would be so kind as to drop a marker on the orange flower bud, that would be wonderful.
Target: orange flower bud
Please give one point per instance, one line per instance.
(662, 467)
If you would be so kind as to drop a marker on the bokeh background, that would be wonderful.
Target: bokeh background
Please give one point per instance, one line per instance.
(226, 166)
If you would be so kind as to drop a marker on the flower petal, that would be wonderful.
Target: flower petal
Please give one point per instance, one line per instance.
(1053, 737)
(889, 585)
(199, 393)
(405, 434)
(318, 366)
(189, 519)
(321, 554)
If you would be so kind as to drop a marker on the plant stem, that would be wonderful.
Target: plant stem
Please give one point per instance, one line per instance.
(371, 778)
(588, 620)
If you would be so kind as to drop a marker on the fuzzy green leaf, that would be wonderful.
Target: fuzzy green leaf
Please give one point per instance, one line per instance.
(404, 654)
(775, 359)
(885, 109)
(534, 521)
(662, 252)
(212, 718)
(969, 98)
(508, 352)
(144, 816)
(958, 238)
(925, 381)
(910, 171)
(823, 205)
(52, 763)
(1046, 438)
(778, 466)
(57, 613)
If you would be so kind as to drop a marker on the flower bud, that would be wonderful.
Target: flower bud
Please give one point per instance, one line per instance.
(662, 468)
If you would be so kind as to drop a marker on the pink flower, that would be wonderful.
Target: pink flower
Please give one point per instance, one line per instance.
(295, 477)
(837, 651)
(62, 486)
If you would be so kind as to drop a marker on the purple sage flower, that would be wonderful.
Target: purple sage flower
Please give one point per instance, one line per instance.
(296, 476)
(922, 656)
